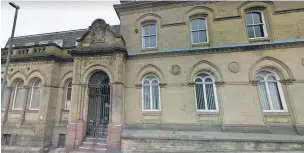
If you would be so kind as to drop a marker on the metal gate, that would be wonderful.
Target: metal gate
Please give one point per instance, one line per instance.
(99, 104)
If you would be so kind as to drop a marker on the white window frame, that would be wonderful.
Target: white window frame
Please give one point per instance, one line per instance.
(281, 93)
(15, 93)
(151, 101)
(263, 20)
(66, 95)
(204, 92)
(206, 23)
(143, 35)
(32, 91)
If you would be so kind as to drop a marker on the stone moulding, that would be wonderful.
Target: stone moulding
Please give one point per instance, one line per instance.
(219, 49)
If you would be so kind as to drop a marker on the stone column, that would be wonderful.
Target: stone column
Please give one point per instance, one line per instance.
(22, 116)
(4, 119)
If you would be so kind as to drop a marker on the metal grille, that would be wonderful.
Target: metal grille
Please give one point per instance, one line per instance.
(99, 102)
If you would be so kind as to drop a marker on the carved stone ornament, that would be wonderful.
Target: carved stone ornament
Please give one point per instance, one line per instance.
(175, 70)
(99, 32)
(234, 67)
(288, 81)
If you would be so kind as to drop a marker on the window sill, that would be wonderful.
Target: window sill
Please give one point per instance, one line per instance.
(254, 40)
(149, 49)
(276, 113)
(200, 44)
(65, 110)
(207, 113)
(32, 110)
(152, 113)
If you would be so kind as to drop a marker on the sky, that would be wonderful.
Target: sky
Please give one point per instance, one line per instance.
(36, 17)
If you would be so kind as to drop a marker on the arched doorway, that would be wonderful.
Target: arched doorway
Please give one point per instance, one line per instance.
(99, 103)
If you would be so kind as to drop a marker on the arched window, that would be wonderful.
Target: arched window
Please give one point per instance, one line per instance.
(199, 33)
(205, 92)
(68, 94)
(255, 23)
(35, 95)
(270, 91)
(19, 95)
(151, 93)
(149, 36)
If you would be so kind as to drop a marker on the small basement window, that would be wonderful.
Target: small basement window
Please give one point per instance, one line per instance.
(61, 143)
(6, 138)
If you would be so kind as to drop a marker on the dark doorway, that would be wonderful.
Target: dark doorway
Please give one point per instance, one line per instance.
(99, 104)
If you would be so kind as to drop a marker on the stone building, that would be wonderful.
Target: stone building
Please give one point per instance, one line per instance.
(172, 77)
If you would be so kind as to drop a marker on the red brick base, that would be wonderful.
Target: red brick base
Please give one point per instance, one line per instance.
(114, 136)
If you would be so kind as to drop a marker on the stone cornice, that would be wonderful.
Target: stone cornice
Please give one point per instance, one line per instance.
(219, 49)
(89, 51)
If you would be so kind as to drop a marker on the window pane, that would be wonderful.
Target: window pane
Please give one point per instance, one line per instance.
(69, 94)
(146, 97)
(155, 82)
(146, 42)
(259, 31)
(152, 41)
(202, 36)
(210, 96)
(152, 29)
(263, 96)
(257, 18)
(195, 37)
(194, 25)
(146, 30)
(203, 75)
(275, 96)
(200, 96)
(198, 80)
(35, 98)
(208, 80)
(202, 24)
(19, 99)
(249, 19)
(70, 84)
(250, 32)
(155, 97)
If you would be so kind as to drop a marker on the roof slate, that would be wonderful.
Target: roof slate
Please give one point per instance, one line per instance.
(68, 37)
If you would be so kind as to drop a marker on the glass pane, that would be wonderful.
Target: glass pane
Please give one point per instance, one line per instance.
(146, 30)
(198, 80)
(35, 98)
(202, 36)
(263, 96)
(70, 84)
(155, 97)
(146, 82)
(275, 96)
(200, 97)
(203, 75)
(146, 42)
(250, 32)
(201, 24)
(146, 96)
(152, 29)
(264, 73)
(259, 78)
(208, 80)
(210, 97)
(195, 37)
(259, 31)
(249, 19)
(271, 78)
(194, 25)
(257, 18)
(153, 41)
(155, 82)
(19, 99)
(69, 94)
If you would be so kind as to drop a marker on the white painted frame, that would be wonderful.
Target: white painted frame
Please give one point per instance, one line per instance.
(143, 35)
(210, 76)
(263, 24)
(32, 91)
(206, 23)
(281, 93)
(15, 94)
(151, 94)
(66, 95)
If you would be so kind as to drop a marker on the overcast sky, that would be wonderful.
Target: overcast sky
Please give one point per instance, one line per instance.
(36, 17)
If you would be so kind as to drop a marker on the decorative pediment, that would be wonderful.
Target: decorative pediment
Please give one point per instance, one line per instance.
(100, 35)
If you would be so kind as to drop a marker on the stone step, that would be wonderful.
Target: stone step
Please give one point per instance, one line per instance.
(94, 144)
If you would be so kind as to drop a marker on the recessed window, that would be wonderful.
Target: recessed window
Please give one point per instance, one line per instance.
(35, 95)
(270, 91)
(199, 31)
(255, 23)
(149, 36)
(205, 92)
(151, 93)
(68, 94)
(19, 96)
